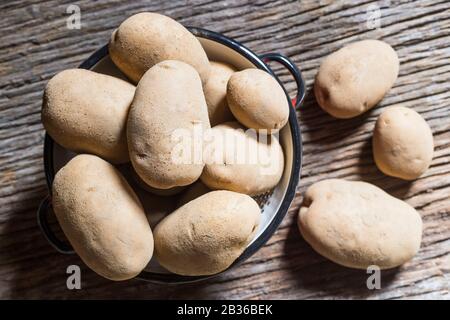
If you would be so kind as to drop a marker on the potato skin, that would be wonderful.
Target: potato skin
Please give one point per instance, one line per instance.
(355, 78)
(215, 91)
(86, 112)
(402, 143)
(102, 217)
(207, 234)
(257, 100)
(168, 99)
(251, 177)
(357, 224)
(147, 38)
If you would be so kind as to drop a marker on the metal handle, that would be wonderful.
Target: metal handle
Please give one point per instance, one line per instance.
(293, 70)
(42, 216)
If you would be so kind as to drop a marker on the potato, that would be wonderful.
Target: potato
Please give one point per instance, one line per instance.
(257, 100)
(167, 111)
(86, 112)
(356, 224)
(147, 38)
(102, 217)
(402, 143)
(237, 161)
(355, 78)
(206, 235)
(215, 91)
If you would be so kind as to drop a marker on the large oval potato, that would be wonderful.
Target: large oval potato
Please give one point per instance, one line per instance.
(236, 160)
(402, 143)
(215, 91)
(207, 234)
(355, 78)
(257, 100)
(146, 38)
(86, 112)
(168, 111)
(102, 217)
(357, 224)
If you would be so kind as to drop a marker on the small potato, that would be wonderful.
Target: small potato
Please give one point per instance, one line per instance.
(102, 217)
(355, 78)
(215, 91)
(167, 111)
(147, 38)
(236, 160)
(206, 235)
(357, 224)
(257, 100)
(402, 143)
(86, 112)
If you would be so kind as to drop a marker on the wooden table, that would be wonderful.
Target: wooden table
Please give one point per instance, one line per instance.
(36, 44)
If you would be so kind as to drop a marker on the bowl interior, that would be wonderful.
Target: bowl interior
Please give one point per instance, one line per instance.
(158, 206)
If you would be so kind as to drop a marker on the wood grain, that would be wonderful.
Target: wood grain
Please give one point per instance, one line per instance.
(36, 44)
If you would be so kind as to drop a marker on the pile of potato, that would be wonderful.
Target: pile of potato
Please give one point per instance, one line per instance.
(354, 223)
(109, 122)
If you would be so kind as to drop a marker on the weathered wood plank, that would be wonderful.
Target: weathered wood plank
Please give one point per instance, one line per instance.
(36, 44)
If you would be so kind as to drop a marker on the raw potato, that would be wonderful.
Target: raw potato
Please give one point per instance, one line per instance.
(86, 112)
(238, 162)
(215, 91)
(206, 235)
(102, 217)
(257, 100)
(355, 78)
(167, 111)
(356, 224)
(402, 143)
(147, 38)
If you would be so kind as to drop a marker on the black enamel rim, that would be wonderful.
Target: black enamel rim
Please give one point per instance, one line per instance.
(294, 71)
(295, 170)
